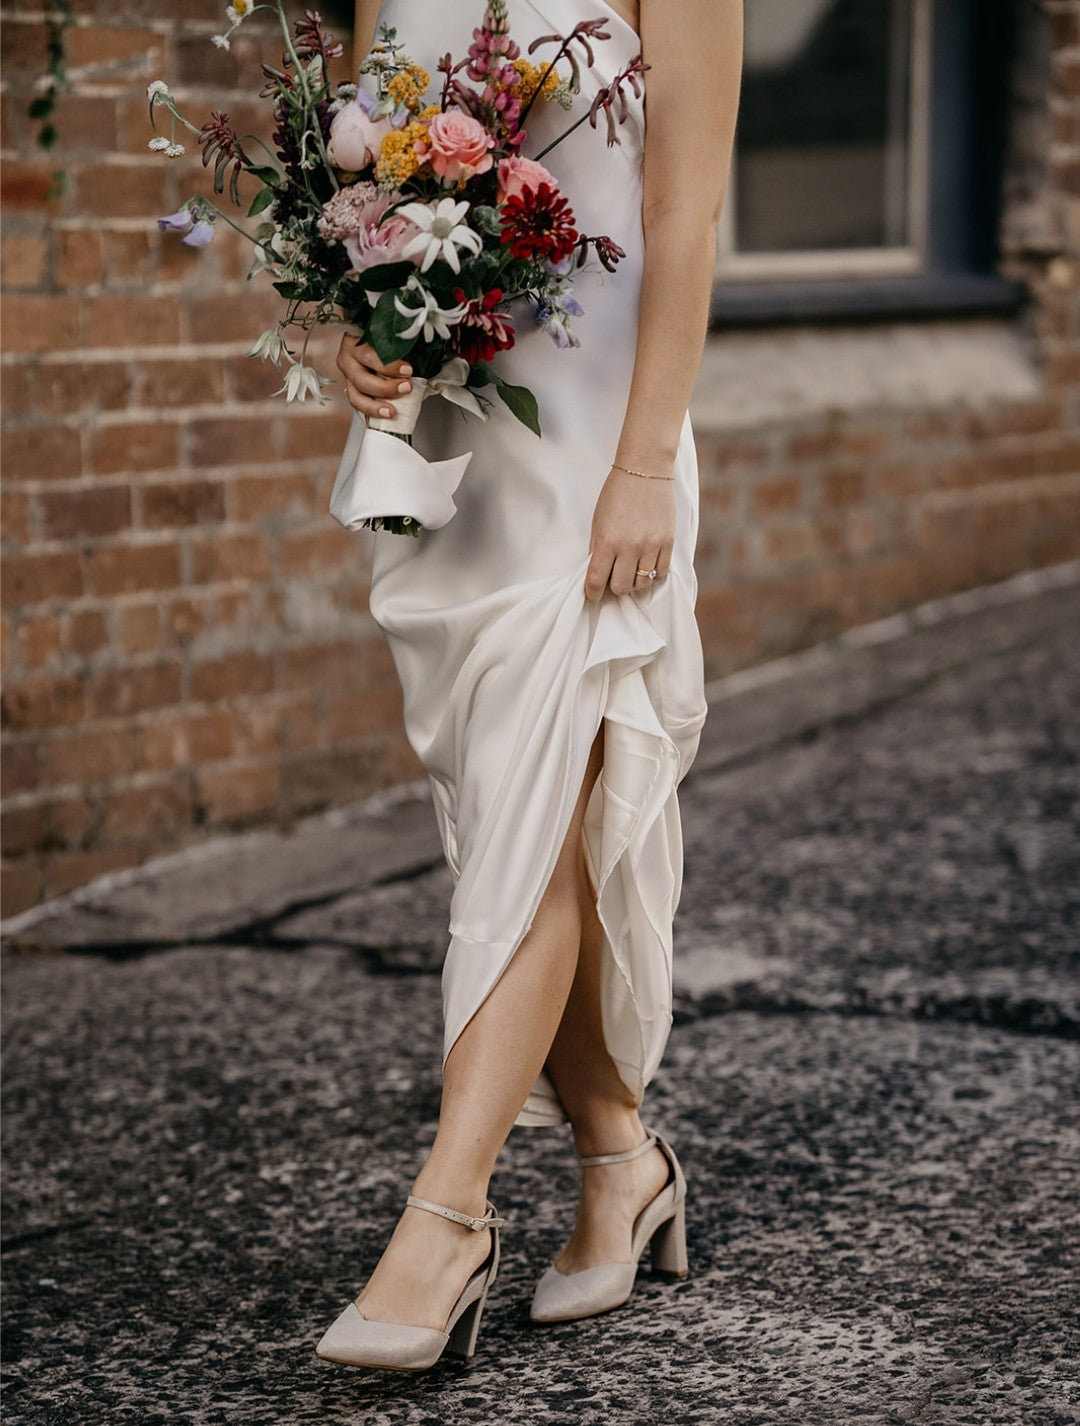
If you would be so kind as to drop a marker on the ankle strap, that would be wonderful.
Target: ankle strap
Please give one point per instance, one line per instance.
(594, 1160)
(490, 1219)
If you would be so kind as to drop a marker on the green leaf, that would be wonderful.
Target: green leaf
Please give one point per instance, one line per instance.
(261, 201)
(386, 275)
(521, 402)
(382, 331)
(41, 106)
(265, 174)
(291, 291)
(486, 220)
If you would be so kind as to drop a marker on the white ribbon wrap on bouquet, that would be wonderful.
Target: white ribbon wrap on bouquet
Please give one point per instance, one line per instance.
(380, 476)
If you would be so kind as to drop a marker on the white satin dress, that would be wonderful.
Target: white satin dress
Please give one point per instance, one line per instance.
(507, 671)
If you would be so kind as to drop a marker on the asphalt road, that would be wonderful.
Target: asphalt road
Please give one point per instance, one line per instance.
(220, 1073)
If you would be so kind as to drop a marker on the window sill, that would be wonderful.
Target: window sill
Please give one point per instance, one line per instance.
(754, 378)
(868, 299)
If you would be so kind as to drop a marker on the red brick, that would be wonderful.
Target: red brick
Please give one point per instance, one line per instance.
(24, 261)
(185, 619)
(25, 185)
(235, 795)
(267, 725)
(18, 767)
(89, 756)
(70, 514)
(39, 640)
(118, 692)
(317, 551)
(323, 666)
(79, 257)
(120, 321)
(770, 496)
(72, 821)
(138, 628)
(374, 714)
(189, 502)
(35, 578)
(149, 813)
(321, 779)
(127, 259)
(133, 446)
(224, 557)
(25, 55)
(114, 53)
(20, 886)
(40, 324)
(899, 480)
(181, 383)
(65, 872)
(87, 631)
(122, 569)
(260, 498)
(68, 388)
(319, 435)
(14, 516)
(234, 676)
(184, 739)
(24, 829)
(235, 317)
(88, 124)
(842, 486)
(42, 701)
(231, 441)
(49, 453)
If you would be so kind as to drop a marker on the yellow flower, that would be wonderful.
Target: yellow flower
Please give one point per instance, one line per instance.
(409, 86)
(397, 155)
(530, 80)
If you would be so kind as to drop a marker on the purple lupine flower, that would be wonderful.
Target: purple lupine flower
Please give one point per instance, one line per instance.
(201, 235)
(182, 221)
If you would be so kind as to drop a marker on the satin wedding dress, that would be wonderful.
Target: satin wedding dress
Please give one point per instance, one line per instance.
(507, 670)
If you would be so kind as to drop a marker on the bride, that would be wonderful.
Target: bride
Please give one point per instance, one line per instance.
(551, 667)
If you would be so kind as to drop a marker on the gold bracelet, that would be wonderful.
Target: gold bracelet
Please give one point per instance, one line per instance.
(645, 475)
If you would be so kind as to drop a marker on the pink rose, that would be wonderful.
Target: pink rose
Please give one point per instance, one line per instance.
(375, 243)
(355, 139)
(457, 146)
(518, 176)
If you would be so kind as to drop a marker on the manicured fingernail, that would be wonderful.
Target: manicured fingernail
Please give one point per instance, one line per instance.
(405, 386)
(385, 411)
(406, 370)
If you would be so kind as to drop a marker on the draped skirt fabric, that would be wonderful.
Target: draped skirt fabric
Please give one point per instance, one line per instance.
(508, 672)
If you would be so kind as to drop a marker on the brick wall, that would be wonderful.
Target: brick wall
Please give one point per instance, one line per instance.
(186, 641)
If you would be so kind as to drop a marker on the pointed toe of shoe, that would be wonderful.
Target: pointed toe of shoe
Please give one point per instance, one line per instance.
(564, 1297)
(356, 1342)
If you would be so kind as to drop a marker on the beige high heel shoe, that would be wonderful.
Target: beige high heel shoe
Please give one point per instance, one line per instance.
(356, 1341)
(564, 1297)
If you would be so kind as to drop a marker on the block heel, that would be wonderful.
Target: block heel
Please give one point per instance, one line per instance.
(668, 1246)
(466, 1330)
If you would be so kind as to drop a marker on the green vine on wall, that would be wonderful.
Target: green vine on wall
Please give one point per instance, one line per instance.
(54, 83)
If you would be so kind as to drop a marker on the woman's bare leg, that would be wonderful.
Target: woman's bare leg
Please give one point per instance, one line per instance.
(603, 1114)
(488, 1076)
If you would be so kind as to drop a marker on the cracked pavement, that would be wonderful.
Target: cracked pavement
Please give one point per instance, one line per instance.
(220, 1074)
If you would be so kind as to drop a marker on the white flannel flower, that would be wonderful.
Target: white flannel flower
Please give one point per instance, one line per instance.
(441, 233)
(158, 144)
(431, 319)
(237, 11)
(270, 347)
(156, 87)
(302, 382)
(221, 41)
(175, 151)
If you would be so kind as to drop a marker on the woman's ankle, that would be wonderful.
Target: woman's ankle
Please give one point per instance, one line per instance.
(451, 1190)
(611, 1130)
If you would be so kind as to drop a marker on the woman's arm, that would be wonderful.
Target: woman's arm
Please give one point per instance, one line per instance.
(694, 51)
(367, 12)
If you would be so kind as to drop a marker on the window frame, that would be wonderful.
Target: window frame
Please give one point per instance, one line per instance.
(960, 51)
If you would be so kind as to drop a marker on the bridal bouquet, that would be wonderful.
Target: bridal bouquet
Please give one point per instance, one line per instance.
(413, 214)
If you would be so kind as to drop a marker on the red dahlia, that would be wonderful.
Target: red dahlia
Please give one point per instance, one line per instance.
(482, 331)
(539, 223)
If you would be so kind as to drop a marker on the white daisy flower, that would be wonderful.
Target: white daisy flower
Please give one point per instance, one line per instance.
(158, 145)
(431, 319)
(302, 382)
(175, 150)
(156, 87)
(441, 233)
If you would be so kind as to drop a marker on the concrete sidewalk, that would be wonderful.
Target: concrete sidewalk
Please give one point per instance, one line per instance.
(220, 1073)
